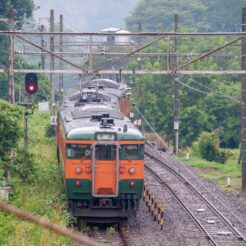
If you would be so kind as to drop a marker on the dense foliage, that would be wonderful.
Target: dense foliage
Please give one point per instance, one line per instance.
(13, 158)
(10, 127)
(206, 102)
(36, 185)
(203, 15)
(21, 9)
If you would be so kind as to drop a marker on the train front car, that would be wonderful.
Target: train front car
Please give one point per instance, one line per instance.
(102, 156)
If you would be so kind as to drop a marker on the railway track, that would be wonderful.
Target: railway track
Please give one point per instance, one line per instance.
(219, 225)
(111, 234)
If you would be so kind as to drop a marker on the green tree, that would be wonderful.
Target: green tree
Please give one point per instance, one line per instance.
(206, 103)
(203, 15)
(21, 9)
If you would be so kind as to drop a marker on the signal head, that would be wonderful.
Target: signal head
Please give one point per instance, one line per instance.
(31, 83)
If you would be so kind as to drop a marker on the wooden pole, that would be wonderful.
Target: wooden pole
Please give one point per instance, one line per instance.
(43, 222)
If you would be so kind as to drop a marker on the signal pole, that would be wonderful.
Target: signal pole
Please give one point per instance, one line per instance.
(176, 92)
(11, 80)
(243, 102)
(60, 62)
(52, 61)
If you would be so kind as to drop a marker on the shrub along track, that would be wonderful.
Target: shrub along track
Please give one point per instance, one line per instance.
(218, 223)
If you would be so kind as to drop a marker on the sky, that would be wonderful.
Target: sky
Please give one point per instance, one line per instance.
(85, 15)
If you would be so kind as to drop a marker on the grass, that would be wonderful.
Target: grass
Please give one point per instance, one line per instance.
(216, 171)
(42, 196)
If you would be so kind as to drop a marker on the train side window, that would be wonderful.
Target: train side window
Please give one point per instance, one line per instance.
(79, 151)
(105, 152)
(132, 152)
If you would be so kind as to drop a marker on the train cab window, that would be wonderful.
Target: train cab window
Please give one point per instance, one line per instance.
(105, 152)
(132, 152)
(79, 151)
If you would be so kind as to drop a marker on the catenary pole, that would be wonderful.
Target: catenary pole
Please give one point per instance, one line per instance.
(176, 92)
(243, 102)
(52, 64)
(42, 52)
(11, 81)
(60, 61)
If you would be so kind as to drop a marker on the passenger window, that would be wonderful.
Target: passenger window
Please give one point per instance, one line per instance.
(106, 152)
(132, 152)
(79, 151)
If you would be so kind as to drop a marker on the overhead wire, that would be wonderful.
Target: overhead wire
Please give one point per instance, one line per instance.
(149, 125)
(215, 91)
(230, 86)
(207, 93)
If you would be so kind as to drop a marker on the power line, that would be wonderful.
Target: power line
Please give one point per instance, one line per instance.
(206, 93)
(215, 91)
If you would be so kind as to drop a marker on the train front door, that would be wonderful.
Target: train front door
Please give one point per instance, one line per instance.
(105, 170)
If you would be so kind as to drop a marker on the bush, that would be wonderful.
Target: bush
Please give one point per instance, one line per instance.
(20, 163)
(223, 156)
(195, 148)
(208, 148)
(10, 127)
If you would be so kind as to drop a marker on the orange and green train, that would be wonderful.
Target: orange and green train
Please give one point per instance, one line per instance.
(101, 153)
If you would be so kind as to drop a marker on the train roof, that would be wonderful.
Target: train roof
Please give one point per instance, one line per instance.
(78, 123)
(83, 112)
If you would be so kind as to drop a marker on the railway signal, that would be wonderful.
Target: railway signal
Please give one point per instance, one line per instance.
(31, 83)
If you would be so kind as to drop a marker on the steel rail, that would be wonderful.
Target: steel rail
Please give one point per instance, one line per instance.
(127, 34)
(21, 52)
(216, 211)
(161, 181)
(200, 183)
(122, 235)
(125, 72)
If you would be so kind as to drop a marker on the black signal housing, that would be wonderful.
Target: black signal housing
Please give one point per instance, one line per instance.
(31, 83)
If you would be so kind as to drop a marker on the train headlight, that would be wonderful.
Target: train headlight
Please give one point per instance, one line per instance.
(132, 170)
(78, 170)
(132, 184)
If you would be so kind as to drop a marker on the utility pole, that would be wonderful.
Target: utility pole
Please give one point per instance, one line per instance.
(42, 52)
(243, 102)
(52, 64)
(176, 92)
(139, 30)
(26, 129)
(60, 61)
(11, 80)
(90, 54)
